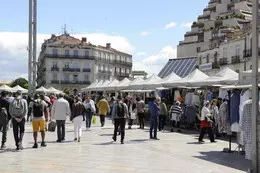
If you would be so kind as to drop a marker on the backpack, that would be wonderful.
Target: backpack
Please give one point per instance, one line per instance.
(120, 110)
(37, 109)
(17, 108)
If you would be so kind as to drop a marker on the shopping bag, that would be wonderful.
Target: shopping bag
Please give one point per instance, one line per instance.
(94, 119)
(133, 116)
(52, 126)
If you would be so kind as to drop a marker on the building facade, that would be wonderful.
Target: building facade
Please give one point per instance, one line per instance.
(69, 63)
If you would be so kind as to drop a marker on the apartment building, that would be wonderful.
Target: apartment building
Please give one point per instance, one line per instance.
(69, 63)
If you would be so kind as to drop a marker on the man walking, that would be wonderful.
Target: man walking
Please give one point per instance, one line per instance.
(60, 110)
(18, 110)
(103, 109)
(4, 117)
(119, 115)
(154, 110)
(38, 110)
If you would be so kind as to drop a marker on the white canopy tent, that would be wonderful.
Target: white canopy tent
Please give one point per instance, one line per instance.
(146, 84)
(188, 80)
(122, 84)
(17, 87)
(41, 89)
(224, 77)
(6, 88)
(103, 85)
(53, 90)
(90, 86)
(111, 85)
(132, 83)
(168, 79)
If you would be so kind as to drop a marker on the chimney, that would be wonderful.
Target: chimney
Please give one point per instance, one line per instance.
(108, 46)
(84, 40)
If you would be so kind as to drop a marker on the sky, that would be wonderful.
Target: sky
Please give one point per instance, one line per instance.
(149, 30)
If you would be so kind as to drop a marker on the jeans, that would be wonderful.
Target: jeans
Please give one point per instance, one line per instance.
(89, 119)
(120, 122)
(210, 133)
(102, 120)
(18, 130)
(153, 126)
(141, 117)
(4, 127)
(162, 121)
(60, 129)
(77, 121)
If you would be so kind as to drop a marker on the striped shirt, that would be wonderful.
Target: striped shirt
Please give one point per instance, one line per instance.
(175, 109)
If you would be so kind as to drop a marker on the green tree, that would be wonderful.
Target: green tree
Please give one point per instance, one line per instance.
(20, 81)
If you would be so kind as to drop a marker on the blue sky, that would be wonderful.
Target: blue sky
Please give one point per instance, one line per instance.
(127, 19)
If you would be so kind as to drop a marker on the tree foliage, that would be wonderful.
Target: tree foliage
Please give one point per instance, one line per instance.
(20, 81)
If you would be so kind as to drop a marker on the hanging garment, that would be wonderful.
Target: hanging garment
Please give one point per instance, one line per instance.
(176, 95)
(234, 107)
(223, 94)
(188, 98)
(222, 120)
(190, 114)
(195, 99)
(209, 96)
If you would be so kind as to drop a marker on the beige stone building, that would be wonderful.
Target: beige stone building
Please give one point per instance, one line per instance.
(69, 63)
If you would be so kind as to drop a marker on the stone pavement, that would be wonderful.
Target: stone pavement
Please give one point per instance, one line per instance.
(96, 153)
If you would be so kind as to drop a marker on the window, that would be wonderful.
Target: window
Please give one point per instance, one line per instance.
(55, 52)
(200, 60)
(237, 70)
(127, 71)
(99, 67)
(104, 68)
(76, 53)
(55, 64)
(86, 77)
(67, 52)
(86, 65)
(99, 55)
(66, 65)
(224, 52)
(216, 57)
(237, 50)
(86, 53)
(108, 57)
(75, 65)
(66, 77)
(207, 59)
(75, 78)
(55, 77)
(198, 49)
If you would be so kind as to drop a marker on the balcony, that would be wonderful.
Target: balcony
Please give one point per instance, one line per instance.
(105, 72)
(235, 59)
(55, 69)
(71, 69)
(126, 63)
(86, 70)
(55, 82)
(74, 82)
(70, 56)
(121, 74)
(223, 61)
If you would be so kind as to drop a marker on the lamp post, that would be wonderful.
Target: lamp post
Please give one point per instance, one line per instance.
(255, 95)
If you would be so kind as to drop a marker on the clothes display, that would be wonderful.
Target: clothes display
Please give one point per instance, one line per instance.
(209, 96)
(177, 94)
(195, 99)
(234, 106)
(188, 98)
(223, 94)
(222, 120)
(190, 114)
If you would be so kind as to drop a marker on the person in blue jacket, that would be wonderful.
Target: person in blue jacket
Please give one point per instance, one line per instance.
(154, 110)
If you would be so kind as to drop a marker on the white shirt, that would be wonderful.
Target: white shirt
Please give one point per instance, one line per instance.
(60, 109)
(205, 112)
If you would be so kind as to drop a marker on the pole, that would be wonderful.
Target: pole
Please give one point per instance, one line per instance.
(34, 43)
(30, 51)
(255, 97)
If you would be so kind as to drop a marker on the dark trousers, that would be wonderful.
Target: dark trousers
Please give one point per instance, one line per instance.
(153, 127)
(120, 122)
(102, 120)
(162, 120)
(18, 130)
(4, 127)
(89, 119)
(60, 129)
(210, 133)
(141, 117)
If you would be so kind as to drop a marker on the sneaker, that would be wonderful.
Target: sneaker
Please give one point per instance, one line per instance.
(79, 139)
(75, 139)
(20, 146)
(171, 130)
(201, 141)
(43, 144)
(151, 137)
(35, 145)
(114, 139)
(58, 140)
(156, 138)
(122, 142)
(3, 146)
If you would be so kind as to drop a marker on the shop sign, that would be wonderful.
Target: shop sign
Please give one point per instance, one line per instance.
(207, 66)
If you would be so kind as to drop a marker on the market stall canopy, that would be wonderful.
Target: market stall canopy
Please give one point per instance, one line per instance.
(168, 79)
(53, 90)
(17, 87)
(41, 89)
(186, 81)
(6, 88)
(103, 85)
(224, 77)
(146, 84)
(90, 86)
(122, 84)
(112, 85)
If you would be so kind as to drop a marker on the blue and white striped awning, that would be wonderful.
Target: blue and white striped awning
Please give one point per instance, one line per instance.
(182, 67)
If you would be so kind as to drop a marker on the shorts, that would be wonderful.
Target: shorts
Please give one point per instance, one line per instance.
(38, 124)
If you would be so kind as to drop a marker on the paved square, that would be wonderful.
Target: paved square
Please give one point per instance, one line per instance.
(174, 153)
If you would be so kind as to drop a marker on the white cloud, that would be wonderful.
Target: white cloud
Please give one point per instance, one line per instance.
(140, 54)
(155, 63)
(14, 55)
(186, 24)
(170, 25)
(145, 33)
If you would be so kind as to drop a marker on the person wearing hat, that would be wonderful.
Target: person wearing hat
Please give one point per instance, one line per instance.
(4, 117)
(103, 109)
(119, 115)
(206, 123)
(18, 110)
(176, 113)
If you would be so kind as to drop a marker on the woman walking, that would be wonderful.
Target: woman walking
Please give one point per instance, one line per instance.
(140, 111)
(78, 110)
(90, 110)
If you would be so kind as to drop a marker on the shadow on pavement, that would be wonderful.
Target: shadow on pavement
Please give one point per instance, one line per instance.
(106, 135)
(13, 150)
(105, 143)
(196, 143)
(232, 160)
(52, 142)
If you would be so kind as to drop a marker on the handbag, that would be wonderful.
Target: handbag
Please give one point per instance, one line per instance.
(94, 119)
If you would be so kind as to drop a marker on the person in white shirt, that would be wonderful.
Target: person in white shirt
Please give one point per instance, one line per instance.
(60, 110)
(90, 110)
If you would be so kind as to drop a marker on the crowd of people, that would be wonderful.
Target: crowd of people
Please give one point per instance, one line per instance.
(43, 109)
